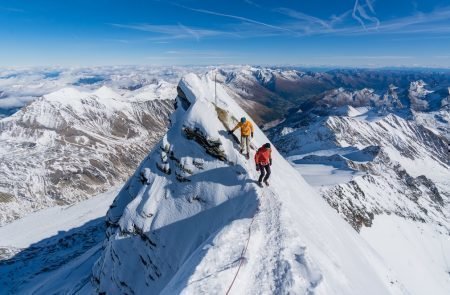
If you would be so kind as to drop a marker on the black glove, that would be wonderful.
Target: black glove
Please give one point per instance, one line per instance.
(230, 132)
(257, 167)
(252, 134)
(270, 161)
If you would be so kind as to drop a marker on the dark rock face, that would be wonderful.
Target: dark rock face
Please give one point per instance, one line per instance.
(211, 147)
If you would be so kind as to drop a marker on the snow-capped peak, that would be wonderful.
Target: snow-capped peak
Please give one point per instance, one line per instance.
(106, 92)
(182, 220)
(65, 94)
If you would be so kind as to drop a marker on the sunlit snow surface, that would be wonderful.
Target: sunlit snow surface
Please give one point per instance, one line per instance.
(418, 252)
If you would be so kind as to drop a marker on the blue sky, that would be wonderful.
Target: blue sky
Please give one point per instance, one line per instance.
(179, 32)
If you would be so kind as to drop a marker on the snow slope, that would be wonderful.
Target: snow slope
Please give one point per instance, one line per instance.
(53, 250)
(48, 222)
(181, 222)
(418, 252)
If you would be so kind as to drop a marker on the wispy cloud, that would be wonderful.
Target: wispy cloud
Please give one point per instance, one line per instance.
(12, 9)
(310, 25)
(298, 23)
(311, 20)
(179, 31)
(237, 17)
(435, 22)
(252, 3)
(365, 12)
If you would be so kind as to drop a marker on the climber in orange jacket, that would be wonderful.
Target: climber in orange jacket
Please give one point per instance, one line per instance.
(246, 131)
(263, 161)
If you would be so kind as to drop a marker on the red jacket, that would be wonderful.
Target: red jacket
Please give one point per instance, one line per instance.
(263, 156)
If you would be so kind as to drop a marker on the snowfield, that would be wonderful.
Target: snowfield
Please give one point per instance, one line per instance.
(180, 224)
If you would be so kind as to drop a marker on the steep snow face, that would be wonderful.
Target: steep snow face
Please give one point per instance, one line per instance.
(70, 144)
(389, 178)
(183, 221)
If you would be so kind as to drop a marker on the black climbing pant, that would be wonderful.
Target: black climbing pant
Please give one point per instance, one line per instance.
(265, 172)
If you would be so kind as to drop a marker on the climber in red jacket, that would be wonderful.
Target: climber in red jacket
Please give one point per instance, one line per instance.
(263, 161)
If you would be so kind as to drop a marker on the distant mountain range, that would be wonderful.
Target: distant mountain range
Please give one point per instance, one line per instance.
(274, 92)
(372, 146)
(69, 145)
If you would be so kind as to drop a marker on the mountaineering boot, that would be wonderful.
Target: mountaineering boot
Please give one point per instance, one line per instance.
(260, 184)
(241, 151)
(247, 156)
(266, 182)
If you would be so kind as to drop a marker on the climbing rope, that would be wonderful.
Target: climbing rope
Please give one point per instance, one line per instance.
(244, 250)
(241, 258)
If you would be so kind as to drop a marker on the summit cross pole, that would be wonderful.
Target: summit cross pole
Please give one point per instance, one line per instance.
(215, 88)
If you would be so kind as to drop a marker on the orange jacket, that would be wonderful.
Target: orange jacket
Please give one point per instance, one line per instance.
(246, 128)
(263, 156)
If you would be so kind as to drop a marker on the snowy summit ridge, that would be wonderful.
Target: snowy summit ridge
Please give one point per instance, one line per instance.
(182, 220)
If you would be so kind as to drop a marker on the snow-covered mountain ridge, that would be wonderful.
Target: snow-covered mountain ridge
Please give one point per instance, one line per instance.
(70, 144)
(395, 156)
(378, 161)
(385, 171)
(271, 95)
(379, 156)
(180, 223)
